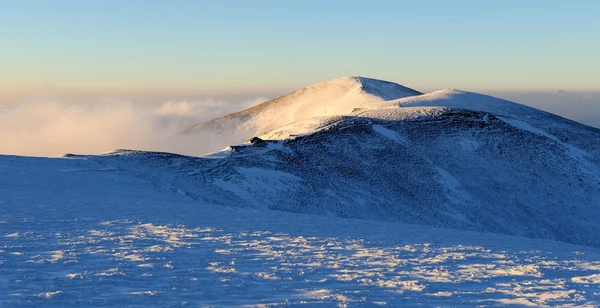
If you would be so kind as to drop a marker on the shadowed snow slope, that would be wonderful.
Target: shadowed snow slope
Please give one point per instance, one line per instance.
(334, 97)
(78, 233)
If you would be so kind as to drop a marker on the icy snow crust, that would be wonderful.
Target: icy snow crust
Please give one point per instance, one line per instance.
(146, 228)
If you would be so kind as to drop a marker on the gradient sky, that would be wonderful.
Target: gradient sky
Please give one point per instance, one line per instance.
(221, 46)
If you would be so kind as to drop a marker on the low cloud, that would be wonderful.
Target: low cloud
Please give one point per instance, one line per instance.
(51, 128)
(208, 109)
(580, 107)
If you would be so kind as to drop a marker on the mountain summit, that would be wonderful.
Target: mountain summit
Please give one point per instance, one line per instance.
(334, 97)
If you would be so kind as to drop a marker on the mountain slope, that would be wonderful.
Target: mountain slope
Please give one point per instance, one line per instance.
(146, 228)
(496, 167)
(449, 159)
(338, 96)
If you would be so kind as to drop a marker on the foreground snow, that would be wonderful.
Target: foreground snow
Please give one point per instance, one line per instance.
(221, 256)
(100, 237)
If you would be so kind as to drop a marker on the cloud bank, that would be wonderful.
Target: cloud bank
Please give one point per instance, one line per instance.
(580, 107)
(51, 128)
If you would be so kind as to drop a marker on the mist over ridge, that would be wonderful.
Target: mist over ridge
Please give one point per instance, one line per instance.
(56, 126)
(52, 123)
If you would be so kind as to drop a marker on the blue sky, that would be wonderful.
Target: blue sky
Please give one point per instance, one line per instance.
(254, 46)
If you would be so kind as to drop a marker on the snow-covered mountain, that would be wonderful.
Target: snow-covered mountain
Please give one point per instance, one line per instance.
(333, 97)
(449, 159)
(142, 228)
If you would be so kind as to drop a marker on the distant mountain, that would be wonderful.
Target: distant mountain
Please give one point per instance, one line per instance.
(334, 97)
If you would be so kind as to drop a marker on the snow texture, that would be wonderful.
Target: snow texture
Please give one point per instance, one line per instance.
(100, 237)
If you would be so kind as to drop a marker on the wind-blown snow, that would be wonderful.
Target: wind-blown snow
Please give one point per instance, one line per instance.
(335, 97)
(388, 133)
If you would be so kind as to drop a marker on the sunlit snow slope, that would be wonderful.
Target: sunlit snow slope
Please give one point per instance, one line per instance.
(334, 97)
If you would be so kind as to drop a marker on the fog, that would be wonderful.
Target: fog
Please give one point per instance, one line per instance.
(56, 125)
(52, 128)
(580, 107)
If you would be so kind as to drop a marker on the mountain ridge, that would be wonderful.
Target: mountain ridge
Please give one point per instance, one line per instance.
(449, 159)
(449, 168)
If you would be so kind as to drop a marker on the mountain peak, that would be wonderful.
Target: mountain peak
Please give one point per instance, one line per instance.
(562, 92)
(385, 90)
(332, 97)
